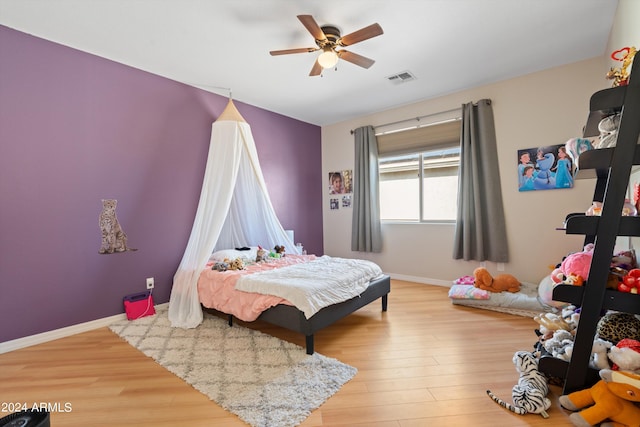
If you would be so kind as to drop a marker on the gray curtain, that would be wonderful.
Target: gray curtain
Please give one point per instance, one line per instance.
(480, 233)
(366, 234)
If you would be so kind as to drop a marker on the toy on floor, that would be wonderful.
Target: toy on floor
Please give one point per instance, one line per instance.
(530, 394)
(612, 398)
(499, 283)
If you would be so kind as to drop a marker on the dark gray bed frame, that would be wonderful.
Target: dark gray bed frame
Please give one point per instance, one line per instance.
(289, 317)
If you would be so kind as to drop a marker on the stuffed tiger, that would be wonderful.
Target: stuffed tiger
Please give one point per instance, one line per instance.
(529, 395)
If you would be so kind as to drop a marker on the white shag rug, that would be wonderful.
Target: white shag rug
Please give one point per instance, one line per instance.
(263, 380)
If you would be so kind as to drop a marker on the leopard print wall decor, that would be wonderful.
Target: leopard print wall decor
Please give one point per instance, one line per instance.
(114, 238)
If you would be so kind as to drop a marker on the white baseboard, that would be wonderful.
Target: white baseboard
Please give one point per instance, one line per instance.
(423, 280)
(19, 343)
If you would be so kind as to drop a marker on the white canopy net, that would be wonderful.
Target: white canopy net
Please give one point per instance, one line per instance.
(234, 211)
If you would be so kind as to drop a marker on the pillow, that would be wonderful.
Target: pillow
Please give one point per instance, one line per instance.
(231, 254)
(467, 292)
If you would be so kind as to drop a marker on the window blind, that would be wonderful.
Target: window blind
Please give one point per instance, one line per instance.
(430, 137)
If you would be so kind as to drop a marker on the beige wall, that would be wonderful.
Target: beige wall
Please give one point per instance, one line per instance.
(543, 108)
(626, 32)
(626, 29)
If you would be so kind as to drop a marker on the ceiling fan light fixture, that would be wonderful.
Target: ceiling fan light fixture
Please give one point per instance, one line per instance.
(328, 58)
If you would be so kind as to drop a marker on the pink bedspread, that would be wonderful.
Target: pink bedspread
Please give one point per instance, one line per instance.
(217, 289)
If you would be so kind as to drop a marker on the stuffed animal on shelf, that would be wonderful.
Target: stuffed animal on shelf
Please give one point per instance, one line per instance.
(560, 345)
(608, 128)
(552, 322)
(616, 326)
(600, 354)
(620, 76)
(578, 264)
(612, 398)
(529, 395)
(625, 356)
(577, 146)
(502, 282)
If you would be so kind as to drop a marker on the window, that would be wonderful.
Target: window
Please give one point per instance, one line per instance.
(419, 182)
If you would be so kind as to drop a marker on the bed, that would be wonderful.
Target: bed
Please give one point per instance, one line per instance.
(241, 293)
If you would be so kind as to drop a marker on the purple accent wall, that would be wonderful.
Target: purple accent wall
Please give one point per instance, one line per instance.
(75, 129)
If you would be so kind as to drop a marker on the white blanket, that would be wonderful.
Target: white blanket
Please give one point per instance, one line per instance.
(313, 285)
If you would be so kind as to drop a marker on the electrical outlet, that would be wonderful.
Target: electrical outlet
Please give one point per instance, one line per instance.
(150, 283)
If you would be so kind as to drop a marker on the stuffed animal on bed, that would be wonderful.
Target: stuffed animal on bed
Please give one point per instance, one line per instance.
(236, 264)
(502, 282)
(261, 254)
(220, 266)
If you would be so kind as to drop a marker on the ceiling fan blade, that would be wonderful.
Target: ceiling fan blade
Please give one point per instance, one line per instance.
(312, 26)
(354, 58)
(316, 70)
(298, 50)
(362, 34)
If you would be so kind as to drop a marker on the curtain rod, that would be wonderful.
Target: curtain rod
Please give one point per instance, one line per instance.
(414, 118)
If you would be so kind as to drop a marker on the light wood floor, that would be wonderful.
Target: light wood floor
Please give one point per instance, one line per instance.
(424, 362)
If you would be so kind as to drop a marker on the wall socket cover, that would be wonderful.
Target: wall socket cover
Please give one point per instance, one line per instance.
(150, 283)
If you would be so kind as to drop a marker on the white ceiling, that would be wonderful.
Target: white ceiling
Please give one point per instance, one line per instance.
(449, 45)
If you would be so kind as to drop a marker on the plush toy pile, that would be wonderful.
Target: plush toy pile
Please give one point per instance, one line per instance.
(239, 258)
(615, 346)
(615, 353)
(227, 264)
(624, 274)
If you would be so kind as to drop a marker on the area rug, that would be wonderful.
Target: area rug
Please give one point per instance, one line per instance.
(263, 380)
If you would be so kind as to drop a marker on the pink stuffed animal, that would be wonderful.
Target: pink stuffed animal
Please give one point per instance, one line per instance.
(578, 264)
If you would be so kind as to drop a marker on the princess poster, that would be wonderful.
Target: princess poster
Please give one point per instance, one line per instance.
(544, 168)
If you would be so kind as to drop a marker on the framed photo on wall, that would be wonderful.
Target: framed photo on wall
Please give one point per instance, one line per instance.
(341, 182)
(545, 168)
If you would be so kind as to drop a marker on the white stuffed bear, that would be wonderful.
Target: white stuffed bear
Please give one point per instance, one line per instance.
(599, 359)
(626, 355)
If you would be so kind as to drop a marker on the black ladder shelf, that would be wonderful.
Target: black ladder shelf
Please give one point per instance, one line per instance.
(611, 167)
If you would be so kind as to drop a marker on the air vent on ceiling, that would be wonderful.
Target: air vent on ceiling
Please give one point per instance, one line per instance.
(402, 77)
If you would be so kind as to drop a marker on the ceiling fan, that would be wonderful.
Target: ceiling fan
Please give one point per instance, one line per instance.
(328, 39)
